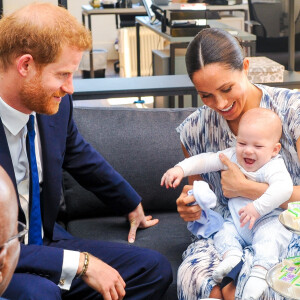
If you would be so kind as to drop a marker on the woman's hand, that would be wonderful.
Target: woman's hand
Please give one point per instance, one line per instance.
(188, 213)
(231, 179)
(235, 184)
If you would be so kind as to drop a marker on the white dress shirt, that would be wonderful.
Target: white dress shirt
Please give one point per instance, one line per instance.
(15, 128)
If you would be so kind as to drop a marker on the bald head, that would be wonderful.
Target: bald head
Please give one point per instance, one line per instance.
(265, 119)
(41, 30)
(8, 199)
(9, 254)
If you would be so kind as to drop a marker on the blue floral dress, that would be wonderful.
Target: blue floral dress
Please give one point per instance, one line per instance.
(207, 131)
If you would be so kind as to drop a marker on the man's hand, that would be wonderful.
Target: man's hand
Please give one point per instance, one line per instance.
(188, 213)
(231, 179)
(247, 214)
(103, 278)
(172, 177)
(137, 220)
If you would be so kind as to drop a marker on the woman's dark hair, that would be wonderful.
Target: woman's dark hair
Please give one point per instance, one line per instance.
(213, 45)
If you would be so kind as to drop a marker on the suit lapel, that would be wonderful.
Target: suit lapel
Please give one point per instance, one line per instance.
(50, 195)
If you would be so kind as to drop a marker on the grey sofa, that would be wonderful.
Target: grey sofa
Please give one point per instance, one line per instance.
(141, 144)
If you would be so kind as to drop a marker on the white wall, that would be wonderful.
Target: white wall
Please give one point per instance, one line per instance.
(103, 27)
(10, 6)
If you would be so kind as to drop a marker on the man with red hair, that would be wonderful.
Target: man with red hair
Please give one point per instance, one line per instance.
(41, 47)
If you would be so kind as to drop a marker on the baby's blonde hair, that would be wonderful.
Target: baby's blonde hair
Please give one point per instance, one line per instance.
(265, 118)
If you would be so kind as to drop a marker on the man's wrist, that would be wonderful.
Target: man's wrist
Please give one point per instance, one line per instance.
(83, 264)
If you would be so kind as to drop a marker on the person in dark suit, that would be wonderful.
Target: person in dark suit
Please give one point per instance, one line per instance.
(11, 231)
(41, 47)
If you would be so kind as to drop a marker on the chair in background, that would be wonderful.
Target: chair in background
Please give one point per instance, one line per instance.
(266, 22)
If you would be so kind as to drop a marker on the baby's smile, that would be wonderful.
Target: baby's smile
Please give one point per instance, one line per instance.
(249, 161)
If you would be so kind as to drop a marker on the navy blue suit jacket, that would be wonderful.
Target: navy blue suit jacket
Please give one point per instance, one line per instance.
(64, 148)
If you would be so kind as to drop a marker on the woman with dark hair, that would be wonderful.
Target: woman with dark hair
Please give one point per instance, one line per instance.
(217, 68)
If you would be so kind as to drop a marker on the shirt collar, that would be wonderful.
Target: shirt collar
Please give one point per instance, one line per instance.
(12, 119)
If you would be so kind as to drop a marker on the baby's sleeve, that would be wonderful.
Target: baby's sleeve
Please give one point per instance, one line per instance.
(280, 187)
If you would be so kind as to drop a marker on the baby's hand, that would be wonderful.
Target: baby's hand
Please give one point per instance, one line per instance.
(172, 177)
(248, 213)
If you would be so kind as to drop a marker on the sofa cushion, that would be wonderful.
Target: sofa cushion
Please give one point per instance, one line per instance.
(141, 144)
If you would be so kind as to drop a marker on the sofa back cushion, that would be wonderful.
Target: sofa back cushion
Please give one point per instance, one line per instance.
(141, 144)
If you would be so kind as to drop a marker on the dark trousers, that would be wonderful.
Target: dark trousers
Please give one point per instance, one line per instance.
(146, 272)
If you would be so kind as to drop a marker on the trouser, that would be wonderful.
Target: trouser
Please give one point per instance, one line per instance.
(147, 273)
(268, 239)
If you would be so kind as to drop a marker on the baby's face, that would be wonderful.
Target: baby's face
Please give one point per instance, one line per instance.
(255, 146)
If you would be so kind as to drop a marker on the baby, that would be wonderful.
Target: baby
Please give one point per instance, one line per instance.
(256, 154)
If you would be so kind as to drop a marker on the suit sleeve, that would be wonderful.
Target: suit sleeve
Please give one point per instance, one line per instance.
(95, 174)
(41, 260)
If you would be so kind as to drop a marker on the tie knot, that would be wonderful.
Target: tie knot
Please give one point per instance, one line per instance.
(30, 123)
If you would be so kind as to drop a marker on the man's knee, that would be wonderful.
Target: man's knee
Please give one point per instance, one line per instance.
(153, 275)
(165, 269)
(158, 264)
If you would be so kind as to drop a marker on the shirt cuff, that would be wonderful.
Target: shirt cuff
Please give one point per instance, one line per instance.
(69, 269)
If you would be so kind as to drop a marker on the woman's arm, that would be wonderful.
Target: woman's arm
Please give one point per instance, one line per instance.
(235, 184)
(296, 192)
(295, 196)
(188, 213)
